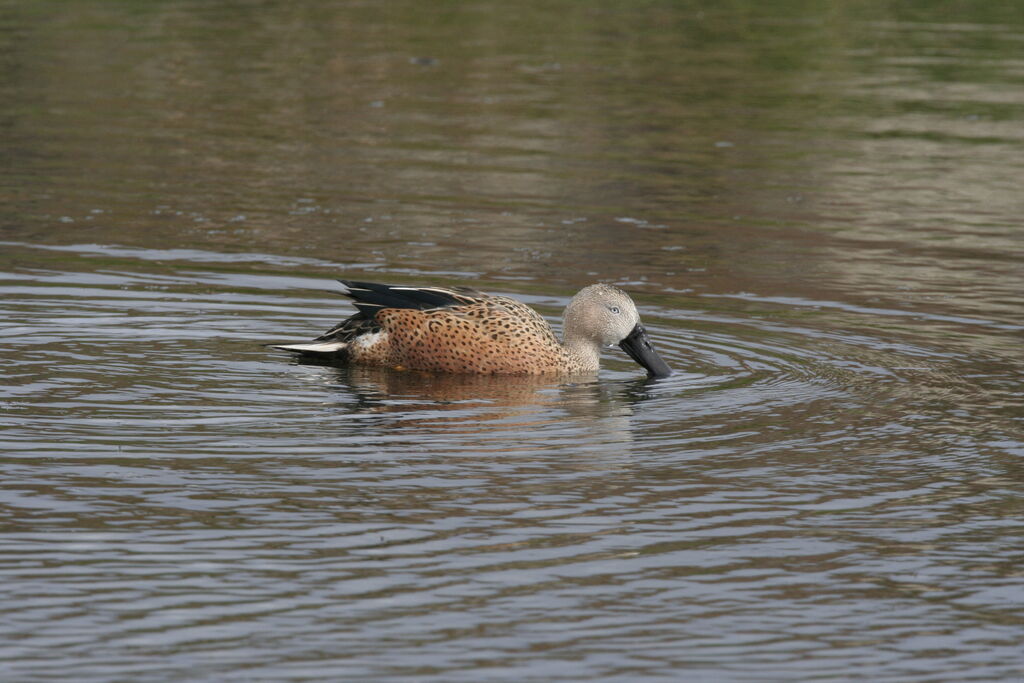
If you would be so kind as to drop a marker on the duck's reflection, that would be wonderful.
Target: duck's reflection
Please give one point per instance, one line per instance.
(525, 406)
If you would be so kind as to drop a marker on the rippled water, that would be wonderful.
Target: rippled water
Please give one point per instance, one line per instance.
(818, 215)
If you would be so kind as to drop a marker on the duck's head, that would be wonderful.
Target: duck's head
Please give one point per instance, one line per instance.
(604, 315)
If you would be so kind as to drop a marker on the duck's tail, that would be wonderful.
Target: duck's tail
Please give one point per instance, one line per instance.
(325, 348)
(369, 299)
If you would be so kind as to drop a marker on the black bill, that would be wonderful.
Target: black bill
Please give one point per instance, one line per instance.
(639, 348)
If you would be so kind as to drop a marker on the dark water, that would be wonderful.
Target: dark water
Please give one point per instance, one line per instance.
(817, 210)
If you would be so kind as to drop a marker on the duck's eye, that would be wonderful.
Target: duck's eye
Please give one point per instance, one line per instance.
(614, 309)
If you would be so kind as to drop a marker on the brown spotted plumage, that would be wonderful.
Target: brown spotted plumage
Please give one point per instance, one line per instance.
(461, 330)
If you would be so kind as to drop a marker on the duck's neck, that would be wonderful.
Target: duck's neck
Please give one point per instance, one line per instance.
(584, 354)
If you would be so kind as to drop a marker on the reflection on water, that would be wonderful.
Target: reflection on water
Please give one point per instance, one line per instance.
(816, 211)
(432, 405)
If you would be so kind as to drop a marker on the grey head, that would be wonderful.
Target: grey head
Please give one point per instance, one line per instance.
(602, 315)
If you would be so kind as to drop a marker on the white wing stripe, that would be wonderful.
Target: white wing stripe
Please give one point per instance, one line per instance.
(322, 347)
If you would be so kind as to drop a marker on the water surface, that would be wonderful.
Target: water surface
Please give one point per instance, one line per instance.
(817, 212)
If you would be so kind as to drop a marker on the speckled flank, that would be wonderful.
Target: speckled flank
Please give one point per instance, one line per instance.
(460, 330)
(497, 336)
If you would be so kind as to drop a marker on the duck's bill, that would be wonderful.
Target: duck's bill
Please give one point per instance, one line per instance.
(639, 348)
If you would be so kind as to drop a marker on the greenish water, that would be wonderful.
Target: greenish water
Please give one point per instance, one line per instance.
(817, 210)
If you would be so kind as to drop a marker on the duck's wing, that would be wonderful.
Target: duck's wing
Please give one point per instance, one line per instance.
(370, 298)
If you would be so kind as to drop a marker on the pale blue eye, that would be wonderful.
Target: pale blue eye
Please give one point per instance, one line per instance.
(614, 309)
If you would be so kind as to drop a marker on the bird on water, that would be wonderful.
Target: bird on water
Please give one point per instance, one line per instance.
(462, 330)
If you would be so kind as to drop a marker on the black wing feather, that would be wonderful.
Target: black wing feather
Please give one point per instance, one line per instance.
(370, 298)
(350, 328)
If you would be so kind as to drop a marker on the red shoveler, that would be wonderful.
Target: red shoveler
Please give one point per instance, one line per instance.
(461, 330)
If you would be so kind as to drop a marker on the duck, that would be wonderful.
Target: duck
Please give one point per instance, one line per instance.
(464, 331)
